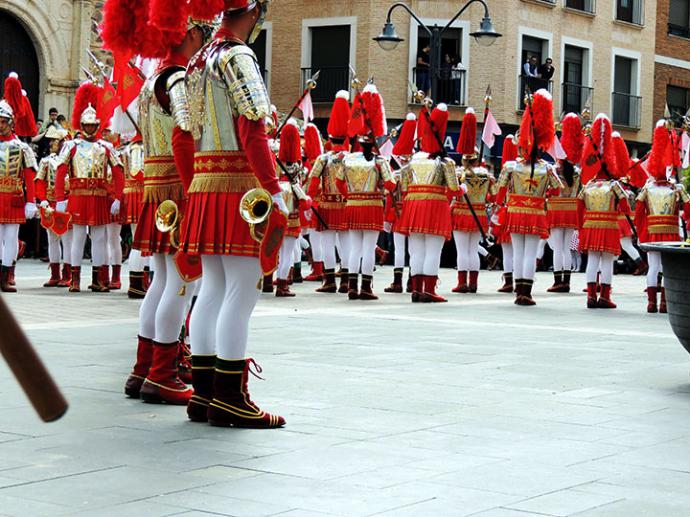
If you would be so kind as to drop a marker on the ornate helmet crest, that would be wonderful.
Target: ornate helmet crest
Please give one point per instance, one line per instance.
(89, 116)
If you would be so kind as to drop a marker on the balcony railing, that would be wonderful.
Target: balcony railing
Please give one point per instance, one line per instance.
(451, 85)
(574, 97)
(626, 110)
(331, 80)
(679, 30)
(586, 6)
(534, 84)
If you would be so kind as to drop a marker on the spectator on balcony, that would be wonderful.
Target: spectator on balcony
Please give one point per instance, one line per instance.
(530, 71)
(423, 70)
(545, 72)
(457, 73)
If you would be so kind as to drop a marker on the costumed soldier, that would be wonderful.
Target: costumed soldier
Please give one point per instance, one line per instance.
(324, 191)
(481, 190)
(527, 182)
(659, 205)
(426, 218)
(497, 229)
(403, 151)
(168, 167)
(95, 174)
(562, 209)
(601, 201)
(361, 179)
(45, 192)
(313, 148)
(17, 188)
(228, 107)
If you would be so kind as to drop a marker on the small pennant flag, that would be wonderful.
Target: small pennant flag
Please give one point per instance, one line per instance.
(387, 149)
(557, 151)
(307, 107)
(491, 130)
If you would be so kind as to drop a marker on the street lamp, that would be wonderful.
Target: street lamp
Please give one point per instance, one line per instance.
(389, 39)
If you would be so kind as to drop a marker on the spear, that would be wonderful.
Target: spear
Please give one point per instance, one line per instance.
(487, 102)
(311, 84)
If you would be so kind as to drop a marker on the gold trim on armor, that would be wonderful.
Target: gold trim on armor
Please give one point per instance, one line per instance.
(11, 185)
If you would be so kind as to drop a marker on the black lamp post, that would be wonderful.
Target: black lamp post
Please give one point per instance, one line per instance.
(389, 39)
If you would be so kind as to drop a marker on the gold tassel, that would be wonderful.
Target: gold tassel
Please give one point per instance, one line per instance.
(183, 290)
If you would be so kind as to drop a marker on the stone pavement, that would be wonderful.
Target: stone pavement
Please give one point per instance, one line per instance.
(476, 407)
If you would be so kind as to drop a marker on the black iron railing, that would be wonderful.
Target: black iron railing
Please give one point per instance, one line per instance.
(451, 85)
(626, 110)
(533, 84)
(331, 80)
(574, 97)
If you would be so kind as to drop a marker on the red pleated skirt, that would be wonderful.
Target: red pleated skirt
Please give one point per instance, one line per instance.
(425, 210)
(364, 211)
(661, 228)
(12, 208)
(133, 200)
(562, 213)
(624, 227)
(89, 210)
(147, 238)
(333, 215)
(600, 233)
(463, 220)
(526, 215)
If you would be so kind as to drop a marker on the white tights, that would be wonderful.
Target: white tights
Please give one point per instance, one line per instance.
(114, 247)
(600, 262)
(9, 241)
(328, 239)
(425, 254)
(559, 241)
(53, 247)
(507, 248)
(399, 243)
(316, 246)
(467, 246)
(287, 257)
(162, 312)
(525, 249)
(542, 247)
(228, 295)
(627, 246)
(342, 244)
(655, 267)
(362, 248)
(99, 246)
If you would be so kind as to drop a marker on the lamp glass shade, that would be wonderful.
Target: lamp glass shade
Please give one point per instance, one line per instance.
(388, 39)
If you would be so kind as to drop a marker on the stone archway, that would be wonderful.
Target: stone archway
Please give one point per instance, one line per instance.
(18, 54)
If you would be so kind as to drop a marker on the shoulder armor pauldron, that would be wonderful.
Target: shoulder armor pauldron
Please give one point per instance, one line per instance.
(179, 100)
(245, 84)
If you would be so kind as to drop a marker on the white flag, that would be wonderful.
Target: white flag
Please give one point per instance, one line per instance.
(491, 130)
(307, 108)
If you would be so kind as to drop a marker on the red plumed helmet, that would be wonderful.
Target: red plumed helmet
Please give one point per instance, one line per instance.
(25, 124)
(620, 150)
(169, 16)
(405, 144)
(375, 112)
(526, 137)
(290, 144)
(657, 164)
(572, 138)
(468, 133)
(207, 9)
(120, 25)
(601, 137)
(313, 145)
(13, 94)
(87, 95)
(438, 125)
(510, 150)
(542, 114)
(340, 116)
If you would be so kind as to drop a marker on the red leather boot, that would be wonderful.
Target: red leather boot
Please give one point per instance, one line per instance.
(329, 285)
(417, 286)
(66, 279)
(507, 283)
(605, 298)
(396, 286)
(651, 300)
(283, 289)
(316, 274)
(344, 281)
(663, 309)
(474, 281)
(592, 295)
(115, 281)
(462, 283)
(54, 276)
(5, 285)
(430, 295)
(367, 292)
(232, 405)
(75, 280)
(353, 286)
(162, 384)
(141, 368)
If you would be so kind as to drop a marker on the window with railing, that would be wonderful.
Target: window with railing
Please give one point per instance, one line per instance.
(678, 101)
(626, 110)
(576, 97)
(586, 6)
(451, 84)
(679, 18)
(630, 11)
(331, 80)
(532, 84)
(450, 77)
(329, 53)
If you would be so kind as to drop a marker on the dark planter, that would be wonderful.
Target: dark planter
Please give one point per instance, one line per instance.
(675, 257)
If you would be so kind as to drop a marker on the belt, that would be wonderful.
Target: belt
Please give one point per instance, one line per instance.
(222, 171)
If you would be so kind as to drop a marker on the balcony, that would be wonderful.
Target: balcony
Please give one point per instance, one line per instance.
(681, 31)
(585, 6)
(574, 97)
(451, 85)
(534, 84)
(626, 110)
(331, 80)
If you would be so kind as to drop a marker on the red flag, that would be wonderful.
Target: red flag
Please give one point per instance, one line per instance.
(129, 83)
(107, 103)
(638, 175)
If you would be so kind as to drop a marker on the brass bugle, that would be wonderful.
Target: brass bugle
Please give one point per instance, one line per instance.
(255, 208)
(168, 221)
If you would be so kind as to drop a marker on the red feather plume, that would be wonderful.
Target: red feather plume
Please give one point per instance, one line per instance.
(468, 133)
(339, 123)
(87, 94)
(405, 144)
(601, 136)
(439, 119)
(13, 95)
(120, 25)
(290, 145)
(169, 16)
(544, 127)
(572, 139)
(375, 113)
(526, 139)
(313, 145)
(510, 150)
(422, 122)
(622, 156)
(207, 9)
(25, 124)
(356, 117)
(656, 165)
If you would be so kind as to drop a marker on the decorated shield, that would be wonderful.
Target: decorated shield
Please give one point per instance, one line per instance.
(188, 266)
(273, 239)
(47, 219)
(61, 221)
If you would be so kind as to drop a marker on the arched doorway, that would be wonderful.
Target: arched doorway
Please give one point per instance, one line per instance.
(18, 54)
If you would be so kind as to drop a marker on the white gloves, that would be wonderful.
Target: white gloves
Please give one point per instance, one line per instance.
(279, 202)
(387, 227)
(45, 204)
(115, 207)
(30, 210)
(61, 206)
(463, 189)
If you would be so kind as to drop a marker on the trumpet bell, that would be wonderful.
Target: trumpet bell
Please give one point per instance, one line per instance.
(255, 207)
(167, 216)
